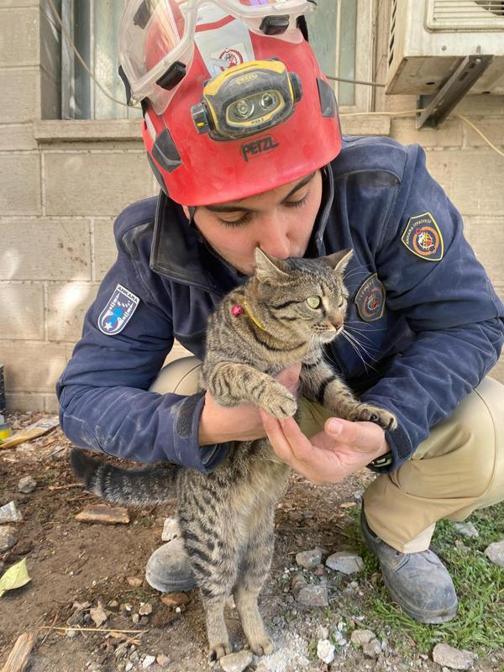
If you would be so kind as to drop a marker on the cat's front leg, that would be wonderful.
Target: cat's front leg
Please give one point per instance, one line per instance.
(232, 384)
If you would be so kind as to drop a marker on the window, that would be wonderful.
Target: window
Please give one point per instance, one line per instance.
(340, 32)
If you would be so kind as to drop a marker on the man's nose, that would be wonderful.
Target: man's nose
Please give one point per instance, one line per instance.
(274, 238)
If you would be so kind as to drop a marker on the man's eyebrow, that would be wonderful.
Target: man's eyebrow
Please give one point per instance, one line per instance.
(229, 207)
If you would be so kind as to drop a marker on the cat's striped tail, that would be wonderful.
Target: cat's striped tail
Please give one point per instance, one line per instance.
(136, 487)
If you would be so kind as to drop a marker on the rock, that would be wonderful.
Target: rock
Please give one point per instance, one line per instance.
(236, 662)
(103, 513)
(129, 666)
(98, 615)
(162, 660)
(10, 514)
(134, 581)
(27, 484)
(135, 618)
(466, 529)
(372, 649)
(361, 637)
(174, 599)
(340, 638)
(148, 661)
(313, 596)
(495, 552)
(345, 562)
(7, 538)
(325, 651)
(145, 609)
(309, 559)
(71, 633)
(171, 529)
(322, 632)
(455, 659)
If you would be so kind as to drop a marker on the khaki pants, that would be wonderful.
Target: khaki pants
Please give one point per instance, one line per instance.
(457, 469)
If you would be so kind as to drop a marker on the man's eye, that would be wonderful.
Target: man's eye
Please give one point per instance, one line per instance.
(314, 301)
(244, 219)
(296, 204)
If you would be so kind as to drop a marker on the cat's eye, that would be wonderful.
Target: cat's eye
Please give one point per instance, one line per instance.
(314, 301)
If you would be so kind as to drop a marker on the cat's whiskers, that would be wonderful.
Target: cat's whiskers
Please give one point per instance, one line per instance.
(356, 345)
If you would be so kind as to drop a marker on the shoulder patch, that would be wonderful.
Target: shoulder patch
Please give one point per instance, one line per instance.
(370, 299)
(423, 237)
(118, 311)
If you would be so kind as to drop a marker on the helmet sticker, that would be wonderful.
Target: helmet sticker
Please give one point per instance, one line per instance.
(118, 311)
(423, 238)
(222, 44)
(370, 299)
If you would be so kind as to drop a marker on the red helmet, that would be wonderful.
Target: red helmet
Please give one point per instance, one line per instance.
(247, 108)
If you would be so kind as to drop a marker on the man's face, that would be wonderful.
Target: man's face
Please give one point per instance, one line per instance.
(279, 221)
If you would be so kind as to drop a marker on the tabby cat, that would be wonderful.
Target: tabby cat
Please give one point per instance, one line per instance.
(284, 314)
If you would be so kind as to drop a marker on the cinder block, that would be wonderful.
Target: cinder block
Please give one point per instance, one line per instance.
(104, 247)
(22, 103)
(365, 125)
(67, 305)
(26, 402)
(20, 36)
(448, 135)
(94, 183)
(486, 235)
(492, 127)
(472, 179)
(22, 311)
(16, 136)
(20, 178)
(45, 249)
(51, 403)
(480, 105)
(33, 366)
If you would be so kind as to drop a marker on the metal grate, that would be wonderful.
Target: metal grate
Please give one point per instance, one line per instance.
(466, 14)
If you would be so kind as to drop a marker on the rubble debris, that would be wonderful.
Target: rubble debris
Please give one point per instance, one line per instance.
(102, 513)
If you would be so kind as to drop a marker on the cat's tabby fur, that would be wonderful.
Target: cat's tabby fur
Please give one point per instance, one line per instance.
(284, 314)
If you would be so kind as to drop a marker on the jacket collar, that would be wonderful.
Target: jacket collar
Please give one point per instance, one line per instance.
(180, 252)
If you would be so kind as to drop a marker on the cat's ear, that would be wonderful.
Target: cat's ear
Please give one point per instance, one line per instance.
(269, 269)
(339, 260)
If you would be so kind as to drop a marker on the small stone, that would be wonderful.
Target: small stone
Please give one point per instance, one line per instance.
(98, 615)
(113, 604)
(361, 637)
(162, 660)
(9, 513)
(345, 562)
(455, 659)
(135, 618)
(466, 529)
(7, 538)
(27, 484)
(236, 662)
(495, 552)
(145, 609)
(325, 651)
(129, 666)
(372, 649)
(340, 639)
(134, 581)
(171, 529)
(313, 596)
(71, 633)
(322, 632)
(174, 599)
(309, 559)
(148, 661)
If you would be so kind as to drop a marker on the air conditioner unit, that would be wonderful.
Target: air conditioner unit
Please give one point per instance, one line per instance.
(429, 38)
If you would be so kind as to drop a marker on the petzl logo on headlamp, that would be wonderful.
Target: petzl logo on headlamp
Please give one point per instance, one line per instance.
(247, 99)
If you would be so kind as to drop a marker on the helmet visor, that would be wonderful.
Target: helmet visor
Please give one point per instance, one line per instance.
(155, 34)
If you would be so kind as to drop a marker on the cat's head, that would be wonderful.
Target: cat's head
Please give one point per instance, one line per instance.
(305, 297)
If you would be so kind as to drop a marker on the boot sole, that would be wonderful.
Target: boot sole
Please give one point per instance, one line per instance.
(172, 587)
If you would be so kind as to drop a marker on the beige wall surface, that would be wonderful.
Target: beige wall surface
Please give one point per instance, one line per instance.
(62, 184)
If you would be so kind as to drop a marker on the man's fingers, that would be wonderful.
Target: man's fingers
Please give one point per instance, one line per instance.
(362, 436)
(276, 436)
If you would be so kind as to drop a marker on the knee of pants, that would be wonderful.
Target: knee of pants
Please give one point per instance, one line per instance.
(178, 377)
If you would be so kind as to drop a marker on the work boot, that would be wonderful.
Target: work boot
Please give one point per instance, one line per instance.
(418, 582)
(169, 569)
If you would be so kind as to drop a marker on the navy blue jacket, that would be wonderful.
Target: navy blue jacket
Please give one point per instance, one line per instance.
(428, 322)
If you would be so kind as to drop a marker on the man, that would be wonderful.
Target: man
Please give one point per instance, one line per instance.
(241, 130)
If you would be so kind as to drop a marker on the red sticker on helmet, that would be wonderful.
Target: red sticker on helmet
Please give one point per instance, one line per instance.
(423, 237)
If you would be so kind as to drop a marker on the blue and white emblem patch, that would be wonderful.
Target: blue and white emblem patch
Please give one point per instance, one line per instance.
(118, 311)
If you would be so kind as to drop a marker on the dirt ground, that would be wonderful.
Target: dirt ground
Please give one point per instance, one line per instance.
(74, 566)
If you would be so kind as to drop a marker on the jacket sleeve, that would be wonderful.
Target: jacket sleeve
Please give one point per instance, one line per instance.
(105, 404)
(451, 308)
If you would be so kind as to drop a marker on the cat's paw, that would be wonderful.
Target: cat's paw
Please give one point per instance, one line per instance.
(217, 651)
(380, 416)
(263, 646)
(279, 402)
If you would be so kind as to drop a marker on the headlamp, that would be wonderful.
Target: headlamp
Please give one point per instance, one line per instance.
(247, 99)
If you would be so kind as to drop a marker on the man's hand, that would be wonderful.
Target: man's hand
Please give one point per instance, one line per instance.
(219, 424)
(343, 447)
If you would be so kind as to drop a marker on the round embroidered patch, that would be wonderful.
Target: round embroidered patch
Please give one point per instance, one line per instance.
(423, 237)
(370, 299)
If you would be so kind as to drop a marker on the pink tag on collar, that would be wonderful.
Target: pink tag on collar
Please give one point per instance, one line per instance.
(237, 310)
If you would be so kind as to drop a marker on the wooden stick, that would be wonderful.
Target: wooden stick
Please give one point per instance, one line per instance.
(79, 629)
(18, 657)
(65, 487)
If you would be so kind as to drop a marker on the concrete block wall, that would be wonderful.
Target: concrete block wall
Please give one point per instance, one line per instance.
(62, 184)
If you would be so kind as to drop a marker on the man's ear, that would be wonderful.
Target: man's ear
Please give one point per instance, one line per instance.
(188, 212)
(339, 260)
(268, 268)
